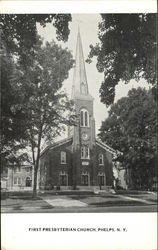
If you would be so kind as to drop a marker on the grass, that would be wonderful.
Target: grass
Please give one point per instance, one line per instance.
(25, 198)
(116, 203)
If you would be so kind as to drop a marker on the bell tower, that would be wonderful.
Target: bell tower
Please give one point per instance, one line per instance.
(84, 132)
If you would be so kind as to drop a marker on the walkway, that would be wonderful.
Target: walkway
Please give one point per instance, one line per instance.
(64, 202)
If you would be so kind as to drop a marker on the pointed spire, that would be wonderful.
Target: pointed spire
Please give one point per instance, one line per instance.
(80, 85)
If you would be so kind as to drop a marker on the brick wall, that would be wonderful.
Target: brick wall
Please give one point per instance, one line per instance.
(51, 167)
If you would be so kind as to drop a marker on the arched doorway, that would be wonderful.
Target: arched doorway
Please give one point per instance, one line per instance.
(28, 182)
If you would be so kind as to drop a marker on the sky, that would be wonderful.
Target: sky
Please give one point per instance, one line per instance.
(88, 24)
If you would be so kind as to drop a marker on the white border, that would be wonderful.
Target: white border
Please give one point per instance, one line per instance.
(141, 227)
(106, 6)
(140, 231)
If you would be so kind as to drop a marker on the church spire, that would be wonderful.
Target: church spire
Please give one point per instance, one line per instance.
(80, 86)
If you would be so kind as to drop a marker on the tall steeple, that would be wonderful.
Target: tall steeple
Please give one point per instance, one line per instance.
(84, 131)
(80, 85)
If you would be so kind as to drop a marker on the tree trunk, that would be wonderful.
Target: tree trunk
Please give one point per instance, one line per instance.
(74, 169)
(35, 182)
(36, 164)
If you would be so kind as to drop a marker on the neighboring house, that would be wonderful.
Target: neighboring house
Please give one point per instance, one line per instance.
(120, 176)
(80, 161)
(17, 178)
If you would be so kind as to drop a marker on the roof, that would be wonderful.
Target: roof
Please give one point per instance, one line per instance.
(106, 147)
(57, 144)
(69, 139)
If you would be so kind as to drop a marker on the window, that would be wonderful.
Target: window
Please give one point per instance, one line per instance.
(63, 179)
(85, 178)
(28, 169)
(101, 159)
(101, 178)
(84, 152)
(84, 118)
(17, 170)
(63, 157)
(17, 181)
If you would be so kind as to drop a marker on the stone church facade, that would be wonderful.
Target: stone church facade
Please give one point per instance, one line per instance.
(80, 161)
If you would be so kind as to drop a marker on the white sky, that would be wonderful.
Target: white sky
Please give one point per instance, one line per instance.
(88, 29)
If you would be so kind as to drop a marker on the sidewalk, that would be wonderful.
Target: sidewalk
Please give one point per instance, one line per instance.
(53, 202)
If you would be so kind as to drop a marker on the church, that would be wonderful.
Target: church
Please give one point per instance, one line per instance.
(80, 161)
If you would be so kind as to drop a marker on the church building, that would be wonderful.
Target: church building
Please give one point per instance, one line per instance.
(80, 161)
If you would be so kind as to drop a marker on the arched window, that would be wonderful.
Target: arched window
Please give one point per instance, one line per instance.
(101, 179)
(84, 118)
(101, 159)
(85, 152)
(85, 179)
(63, 178)
(63, 157)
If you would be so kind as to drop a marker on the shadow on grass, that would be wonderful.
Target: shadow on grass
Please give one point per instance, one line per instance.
(25, 198)
(18, 208)
(47, 207)
(117, 203)
(80, 197)
(152, 200)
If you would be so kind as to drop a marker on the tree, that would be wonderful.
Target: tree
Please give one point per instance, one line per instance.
(12, 129)
(18, 39)
(44, 106)
(19, 32)
(131, 129)
(127, 50)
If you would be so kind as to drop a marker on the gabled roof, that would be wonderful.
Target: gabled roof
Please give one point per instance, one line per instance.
(69, 139)
(56, 144)
(106, 147)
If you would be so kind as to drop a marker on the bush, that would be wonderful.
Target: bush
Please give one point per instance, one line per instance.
(49, 187)
(58, 187)
(4, 194)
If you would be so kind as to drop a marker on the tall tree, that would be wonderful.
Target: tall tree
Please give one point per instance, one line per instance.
(18, 39)
(131, 129)
(12, 129)
(44, 106)
(19, 31)
(127, 50)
